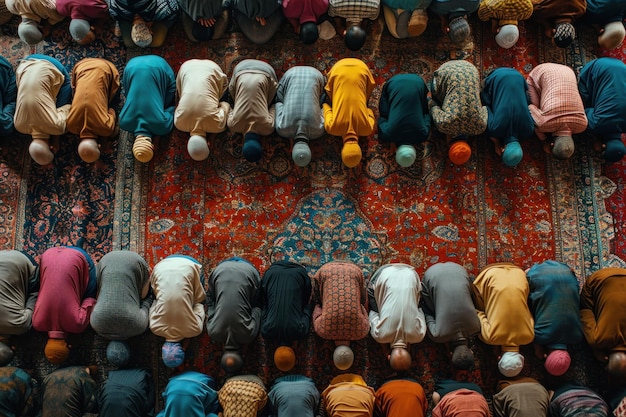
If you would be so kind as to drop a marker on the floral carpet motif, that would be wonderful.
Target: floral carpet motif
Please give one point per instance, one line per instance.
(377, 213)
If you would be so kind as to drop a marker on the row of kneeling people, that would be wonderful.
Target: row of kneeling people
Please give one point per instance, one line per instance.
(72, 391)
(504, 305)
(145, 23)
(42, 99)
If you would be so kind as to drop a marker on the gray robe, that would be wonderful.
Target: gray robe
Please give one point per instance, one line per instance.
(19, 287)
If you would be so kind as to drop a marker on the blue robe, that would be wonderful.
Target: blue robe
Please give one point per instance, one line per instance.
(453, 8)
(8, 97)
(150, 86)
(294, 395)
(190, 394)
(505, 93)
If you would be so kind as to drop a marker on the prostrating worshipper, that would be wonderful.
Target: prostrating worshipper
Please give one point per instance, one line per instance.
(459, 399)
(351, 19)
(87, 18)
(405, 18)
(150, 86)
(601, 83)
(556, 107)
(259, 20)
(308, 19)
(340, 312)
(69, 392)
(505, 93)
(190, 394)
(455, 107)
(520, 397)
(127, 393)
(201, 110)
(349, 85)
(252, 88)
(204, 20)
(403, 115)
(96, 85)
(395, 316)
(558, 17)
(19, 287)
(67, 296)
(505, 16)
(19, 393)
(348, 395)
(453, 15)
(294, 395)
(572, 399)
(234, 313)
(286, 314)
(37, 18)
(123, 306)
(242, 396)
(607, 16)
(451, 323)
(604, 318)
(500, 292)
(400, 396)
(299, 111)
(555, 305)
(144, 23)
(8, 97)
(44, 93)
(177, 312)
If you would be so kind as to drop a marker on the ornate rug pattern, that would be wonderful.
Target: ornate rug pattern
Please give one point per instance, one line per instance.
(377, 213)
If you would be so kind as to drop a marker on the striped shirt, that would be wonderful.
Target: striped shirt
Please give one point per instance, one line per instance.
(574, 401)
(298, 109)
(354, 10)
(555, 103)
(149, 10)
(508, 12)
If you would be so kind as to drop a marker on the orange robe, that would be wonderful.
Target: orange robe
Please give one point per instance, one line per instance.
(401, 398)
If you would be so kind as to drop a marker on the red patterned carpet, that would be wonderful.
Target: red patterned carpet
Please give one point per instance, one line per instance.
(377, 213)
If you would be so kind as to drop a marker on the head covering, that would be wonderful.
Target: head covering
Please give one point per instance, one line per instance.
(508, 36)
(308, 33)
(88, 150)
(459, 152)
(512, 154)
(301, 153)
(40, 151)
(343, 357)
(564, 34)
(231, 361)
(141, 35)
(614, 151)
(202, 33)
(118, 353)
(511, 364)
(355, 37)
(351, 153)
(284, 358)
(143, 149)
(557, 362)
(326, 30)
(173, 354)
(28, 31)
(56, 351)
(198, 148)
(405, 155)
(79, 28)
(459, 29)
(252, 149)
(6, 354)
(612, 36)
(563, 147)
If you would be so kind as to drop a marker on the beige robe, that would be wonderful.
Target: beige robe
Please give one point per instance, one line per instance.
(36, 10)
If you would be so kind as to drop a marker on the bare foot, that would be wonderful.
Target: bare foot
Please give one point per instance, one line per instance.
(498, 145)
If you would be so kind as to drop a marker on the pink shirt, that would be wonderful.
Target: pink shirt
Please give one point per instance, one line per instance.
(303, 11)
(556, 105)
(83, 9)
(60, 308)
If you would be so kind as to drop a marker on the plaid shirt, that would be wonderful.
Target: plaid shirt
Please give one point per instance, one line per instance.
(354, 10)
(298, 109)
(555, 103)
(506, 11)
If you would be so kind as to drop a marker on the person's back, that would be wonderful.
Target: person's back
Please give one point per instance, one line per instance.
(242, 396)
(401, 397)
(348, 395)
(294, 395)
(19, 286)
(127, 393)
(572, 399)
(69, 392)
(8, 97)
(521, 397)
(190, 394)
(19, 393)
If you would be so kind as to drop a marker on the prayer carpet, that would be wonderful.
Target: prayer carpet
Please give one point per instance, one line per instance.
(476, 214)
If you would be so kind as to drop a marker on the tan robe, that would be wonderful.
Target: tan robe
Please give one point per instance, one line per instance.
(36, 112)
(36, 10)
